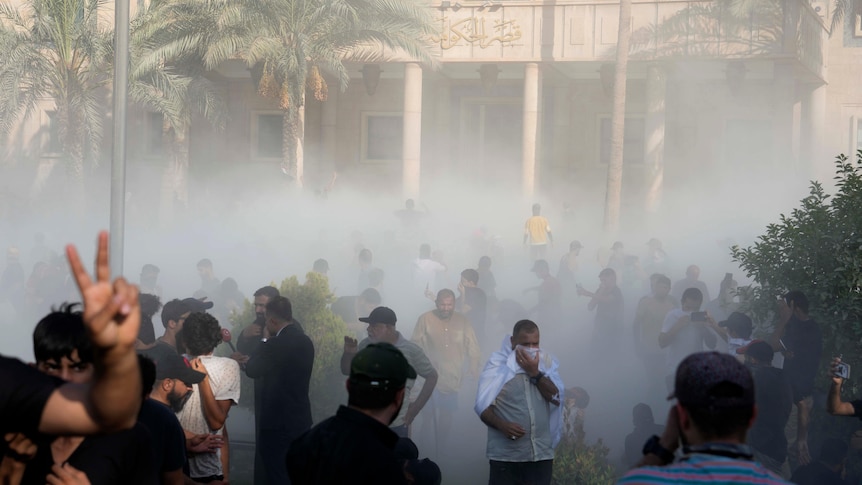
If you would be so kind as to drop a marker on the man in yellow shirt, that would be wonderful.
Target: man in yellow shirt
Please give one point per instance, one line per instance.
(449, 341)
(538, 231)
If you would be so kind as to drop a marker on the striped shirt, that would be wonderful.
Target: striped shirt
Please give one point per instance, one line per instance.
(703, 468)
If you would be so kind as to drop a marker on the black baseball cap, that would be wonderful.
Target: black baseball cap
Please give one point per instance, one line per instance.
(196, 305)
(381, 314)
(713, 380)
(172, 366)
(381, 366)
(540, 264)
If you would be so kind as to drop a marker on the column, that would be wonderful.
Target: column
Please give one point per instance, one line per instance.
(656, 93)
(530, 141)
(786, 117)
(328, 142)
(443, 131)
(412, 129)
(813, 119)
(562, 122)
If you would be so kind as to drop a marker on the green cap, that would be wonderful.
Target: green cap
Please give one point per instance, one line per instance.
(381, 366)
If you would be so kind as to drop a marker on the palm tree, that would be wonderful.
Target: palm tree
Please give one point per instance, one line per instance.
(290, 44)
(167, 77)
(844, 8)
(56, 49)
(618, 117)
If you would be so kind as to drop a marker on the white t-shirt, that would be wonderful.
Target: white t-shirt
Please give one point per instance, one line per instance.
(425, 272)
(735, 343)
(224, 381)
(688, 341)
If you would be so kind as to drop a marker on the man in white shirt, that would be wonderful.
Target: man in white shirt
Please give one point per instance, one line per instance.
(209, 403)
(684, 332)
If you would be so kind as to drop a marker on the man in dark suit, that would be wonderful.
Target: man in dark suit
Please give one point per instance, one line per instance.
(281, 365)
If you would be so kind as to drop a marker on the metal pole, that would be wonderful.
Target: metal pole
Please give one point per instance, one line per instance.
(118, 156)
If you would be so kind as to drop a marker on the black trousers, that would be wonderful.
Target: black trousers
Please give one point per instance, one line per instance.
(273, 445)
(521, 473)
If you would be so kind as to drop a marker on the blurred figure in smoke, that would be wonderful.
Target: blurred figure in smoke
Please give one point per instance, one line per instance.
(645, 426)
(656, 259)
(519, 399)
(209, 283)
(448, 340)
(375, 281)
(725, 304)
(567, 272)
(40, 253)
(487, 281)
(472, 302)
(425, 269)
(537, 231)
(381, 328)
(411, 218)
(366, 266)
(150, 305)
(617, 259)
(649, 318)
(691, 280)
(149, 281)
(685, 331)
(351, 308)
(248, 343)
(547, 309)
(607, 301)
(321, 266)
(228, 300)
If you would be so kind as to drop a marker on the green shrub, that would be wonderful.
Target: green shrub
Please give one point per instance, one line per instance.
(578, 463)
(325, 329)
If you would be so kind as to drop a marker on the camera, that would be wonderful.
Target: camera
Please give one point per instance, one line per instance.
(698, 316)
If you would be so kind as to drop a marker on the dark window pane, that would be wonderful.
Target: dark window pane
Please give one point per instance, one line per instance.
(53, 144)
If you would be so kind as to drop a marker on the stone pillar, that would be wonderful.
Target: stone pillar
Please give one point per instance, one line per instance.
(412, 129)
(785, 118)
(813, 119)
(656, 94)
(562, 125)
(530, 142)
(328, 141)
(442, 131)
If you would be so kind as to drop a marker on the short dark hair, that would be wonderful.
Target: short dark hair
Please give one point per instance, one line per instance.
(150, 268)
(471, 275)
(485, 261)
(607, 272)
(60, 333)
(365, 397)
(150, 304)
(267, 291)
(320, 265)
(692, 294)
(371, 296)
(280, 309)
(524, 326)
(445, 293)
(365, 255)
(721, 422)
(642, 414)
(201, 333)
(662, 280)
(798, 298)
(205, 263)
(148, 374)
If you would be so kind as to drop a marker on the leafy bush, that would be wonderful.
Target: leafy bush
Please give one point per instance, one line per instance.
(816, 249)
(325, 329)
(577, 463)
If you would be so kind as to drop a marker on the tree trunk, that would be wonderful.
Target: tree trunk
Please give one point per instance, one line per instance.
(175, 177)
(618, 116)
(293, 138)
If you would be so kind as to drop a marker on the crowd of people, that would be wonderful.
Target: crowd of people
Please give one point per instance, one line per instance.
(109, 401)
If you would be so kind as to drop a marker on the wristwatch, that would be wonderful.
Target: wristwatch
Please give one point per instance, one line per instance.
(536, 378)
(653, 446)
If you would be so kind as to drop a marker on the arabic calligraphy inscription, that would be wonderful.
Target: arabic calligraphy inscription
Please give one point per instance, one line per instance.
(474, 30)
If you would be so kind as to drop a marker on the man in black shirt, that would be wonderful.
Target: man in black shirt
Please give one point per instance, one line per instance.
(356, 445)
(282, 366)
(473, 302)
(774, 399)
(798, 336)
(174, 315)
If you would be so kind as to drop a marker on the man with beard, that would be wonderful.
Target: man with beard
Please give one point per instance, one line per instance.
(381, 328)
(448, 339)
(174, 315)
(171, 384)
(355, 446)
